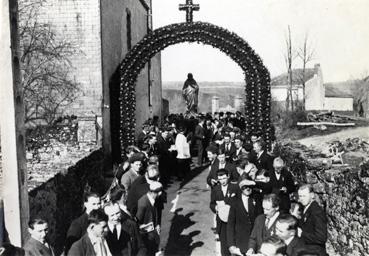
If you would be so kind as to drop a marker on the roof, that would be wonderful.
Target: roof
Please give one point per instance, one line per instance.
(296, 77)
(339, 90)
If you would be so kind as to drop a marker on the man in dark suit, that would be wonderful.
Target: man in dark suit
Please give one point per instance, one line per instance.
(240, 151)
(263, 159)
(199, 137)
(147, 217)
(141, 137)
(141, 186)
(222, 196)
(37, 244)
(78, 226)
(93, 243)
(286, 229)
(117, 238)
(264, 225)
(282, 184)
(165, 156)
(313, 224)
(221, 164)
(228, 147)
(241, 218)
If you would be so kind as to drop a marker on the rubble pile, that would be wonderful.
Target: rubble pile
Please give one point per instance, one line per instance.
(328, 117)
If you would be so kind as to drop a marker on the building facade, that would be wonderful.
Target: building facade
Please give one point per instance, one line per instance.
(103, 33)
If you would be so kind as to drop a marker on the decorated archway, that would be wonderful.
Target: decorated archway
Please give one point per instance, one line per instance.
(257, 78)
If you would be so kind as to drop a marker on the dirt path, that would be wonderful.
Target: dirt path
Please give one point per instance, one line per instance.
(320, 142)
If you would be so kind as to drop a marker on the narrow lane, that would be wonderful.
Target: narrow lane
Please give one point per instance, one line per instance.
(187, 218)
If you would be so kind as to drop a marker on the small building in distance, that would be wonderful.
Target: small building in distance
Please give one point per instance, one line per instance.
(318, 95)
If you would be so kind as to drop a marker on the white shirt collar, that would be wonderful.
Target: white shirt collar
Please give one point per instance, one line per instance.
(96, 244)
(260, 153)
(273, 219)
(224, 189)
(289, 240)
(118, 227)
(152, 200)
(307, 207)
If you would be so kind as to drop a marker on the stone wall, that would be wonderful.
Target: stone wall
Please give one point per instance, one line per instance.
(57, 177)
(342, 191)
(59, 200)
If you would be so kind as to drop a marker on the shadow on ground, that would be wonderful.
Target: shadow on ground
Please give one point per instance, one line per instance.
(178, 243)
(192, 174)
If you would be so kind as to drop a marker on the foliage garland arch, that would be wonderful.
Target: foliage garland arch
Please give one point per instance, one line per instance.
(257, 77)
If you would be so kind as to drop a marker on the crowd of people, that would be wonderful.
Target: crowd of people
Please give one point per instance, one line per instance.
(259, 209)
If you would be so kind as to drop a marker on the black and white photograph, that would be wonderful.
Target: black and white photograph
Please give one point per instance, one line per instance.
(184, 128)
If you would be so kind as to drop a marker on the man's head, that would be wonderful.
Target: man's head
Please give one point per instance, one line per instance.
(286, 226)
(38, 229)
(146, 128)
(212, 152)
(97, 223)
(221, 156)
(278, 164)
(238, 142)
(259, 146)
(151, 139)
(223, 176)
(270, 205)
(130, 150)
(246, 187)
(91, 201)
(118, 195)
(155, 189)
(227, 138)
(165, 132)
(136, 162)
(273, 246)
(154, 159)
(152, 173)
(306, 194)
(112, 210)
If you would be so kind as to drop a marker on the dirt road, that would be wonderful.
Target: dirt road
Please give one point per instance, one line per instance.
(320, 142)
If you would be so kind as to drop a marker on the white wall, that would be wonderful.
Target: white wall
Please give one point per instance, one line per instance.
(279, 92)
(314, 92)
(342, 104)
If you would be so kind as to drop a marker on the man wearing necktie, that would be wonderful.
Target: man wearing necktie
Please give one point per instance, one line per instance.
(264, 225)
(117, 238)
(228, 147)
(313, 224)
(93, 243)
(241, 218)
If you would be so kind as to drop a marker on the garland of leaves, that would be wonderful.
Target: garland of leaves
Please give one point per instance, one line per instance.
(257, 78)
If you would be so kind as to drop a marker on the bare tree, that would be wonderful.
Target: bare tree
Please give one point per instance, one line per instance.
(361, 94)
(48, 85)
(289, 56)
(306, 54)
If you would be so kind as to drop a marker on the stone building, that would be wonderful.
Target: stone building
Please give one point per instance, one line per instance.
(104, 31)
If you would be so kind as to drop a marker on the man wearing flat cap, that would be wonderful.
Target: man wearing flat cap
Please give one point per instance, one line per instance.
(147, 217)
(242, 214)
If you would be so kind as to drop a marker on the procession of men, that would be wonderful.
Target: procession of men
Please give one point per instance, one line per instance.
(258, 207)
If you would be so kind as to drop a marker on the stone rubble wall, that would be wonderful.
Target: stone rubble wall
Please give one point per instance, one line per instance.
(342, 191)
(60, 169)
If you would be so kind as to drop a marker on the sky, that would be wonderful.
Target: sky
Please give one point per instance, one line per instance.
(338, 32)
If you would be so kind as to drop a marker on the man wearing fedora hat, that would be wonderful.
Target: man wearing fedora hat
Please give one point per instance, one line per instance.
(241, 218)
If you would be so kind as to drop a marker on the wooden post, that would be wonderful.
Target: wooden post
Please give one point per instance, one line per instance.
(15, 192)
